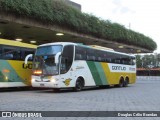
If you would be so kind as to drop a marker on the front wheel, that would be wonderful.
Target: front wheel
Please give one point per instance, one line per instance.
(79, 85)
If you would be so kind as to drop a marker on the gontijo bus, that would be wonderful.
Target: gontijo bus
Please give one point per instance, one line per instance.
(71, 65)
(13, 71)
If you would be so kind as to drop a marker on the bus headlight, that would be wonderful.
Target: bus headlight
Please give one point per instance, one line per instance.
(53, 80)
(32, 80)
(6, 78)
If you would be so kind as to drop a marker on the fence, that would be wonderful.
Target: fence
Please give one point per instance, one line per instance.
(148, 78)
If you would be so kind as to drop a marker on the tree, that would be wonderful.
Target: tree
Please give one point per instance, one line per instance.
(148, 61)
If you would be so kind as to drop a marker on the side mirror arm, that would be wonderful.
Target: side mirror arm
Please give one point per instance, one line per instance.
(57, 57)
(27, 57)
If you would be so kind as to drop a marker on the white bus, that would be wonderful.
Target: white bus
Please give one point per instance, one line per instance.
(70, 65)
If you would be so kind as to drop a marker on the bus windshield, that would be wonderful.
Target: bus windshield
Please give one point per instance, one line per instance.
(44, 60)
(49, 50)
(45, 65)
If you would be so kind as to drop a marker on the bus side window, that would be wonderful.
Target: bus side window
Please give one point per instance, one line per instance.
(80, 53)
(0, 52)
(107, 57)
(12, 53)
(26, 52)
(17, 55)
(103, 57)
(91, 55)
(110, 57)
(66, 59)
(127, 61)
(117, 61)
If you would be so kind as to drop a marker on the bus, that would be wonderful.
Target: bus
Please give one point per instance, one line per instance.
(71, 65)
(13, 71)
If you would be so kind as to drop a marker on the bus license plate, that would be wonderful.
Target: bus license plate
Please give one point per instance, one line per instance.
(42, 85)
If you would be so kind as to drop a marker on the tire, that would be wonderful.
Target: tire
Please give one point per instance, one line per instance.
(79, 85)
(121, 83)
(126, 82)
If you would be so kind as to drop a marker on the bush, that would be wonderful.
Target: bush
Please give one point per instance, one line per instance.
(59, 13)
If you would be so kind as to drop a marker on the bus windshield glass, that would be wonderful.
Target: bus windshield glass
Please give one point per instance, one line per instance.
(45, 65)
(48, 50)
(44, 60)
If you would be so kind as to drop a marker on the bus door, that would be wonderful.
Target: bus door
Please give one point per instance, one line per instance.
(66, 72)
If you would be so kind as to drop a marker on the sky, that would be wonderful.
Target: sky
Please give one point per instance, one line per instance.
(142, 16)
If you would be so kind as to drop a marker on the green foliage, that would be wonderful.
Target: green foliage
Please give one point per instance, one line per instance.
(59, 13)
(148, 61)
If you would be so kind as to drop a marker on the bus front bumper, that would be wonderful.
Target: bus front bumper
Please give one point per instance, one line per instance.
(45, 83)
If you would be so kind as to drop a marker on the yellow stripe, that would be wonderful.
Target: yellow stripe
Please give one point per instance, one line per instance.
(106, 71)
(114, 77)
(16, 43)
(25, 74)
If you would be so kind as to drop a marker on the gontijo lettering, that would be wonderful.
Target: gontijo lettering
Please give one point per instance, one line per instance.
(28, 66)
(118, 68)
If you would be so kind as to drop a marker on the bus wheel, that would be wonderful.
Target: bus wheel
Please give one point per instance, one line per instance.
(126, 82)
(121, 83)
(79, 85)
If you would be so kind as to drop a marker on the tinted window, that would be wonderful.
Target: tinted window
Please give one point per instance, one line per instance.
(26, 52)
(11, 53)
(0, 51)
(100, 56)
(49, 50)
(14, 53)
(91, 55)
(66, 59)
(125, 60)
(111, 57)
(80, 53)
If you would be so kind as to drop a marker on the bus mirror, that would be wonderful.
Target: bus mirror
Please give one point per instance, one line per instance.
(134, 62)
(57, 57)
(27, 57)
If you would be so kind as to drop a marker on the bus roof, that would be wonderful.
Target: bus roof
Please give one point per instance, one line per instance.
(16, 43)
(58, 43)
(101, 48)
(88, 46)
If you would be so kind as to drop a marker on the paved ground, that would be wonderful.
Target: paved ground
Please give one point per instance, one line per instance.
(142, 96)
